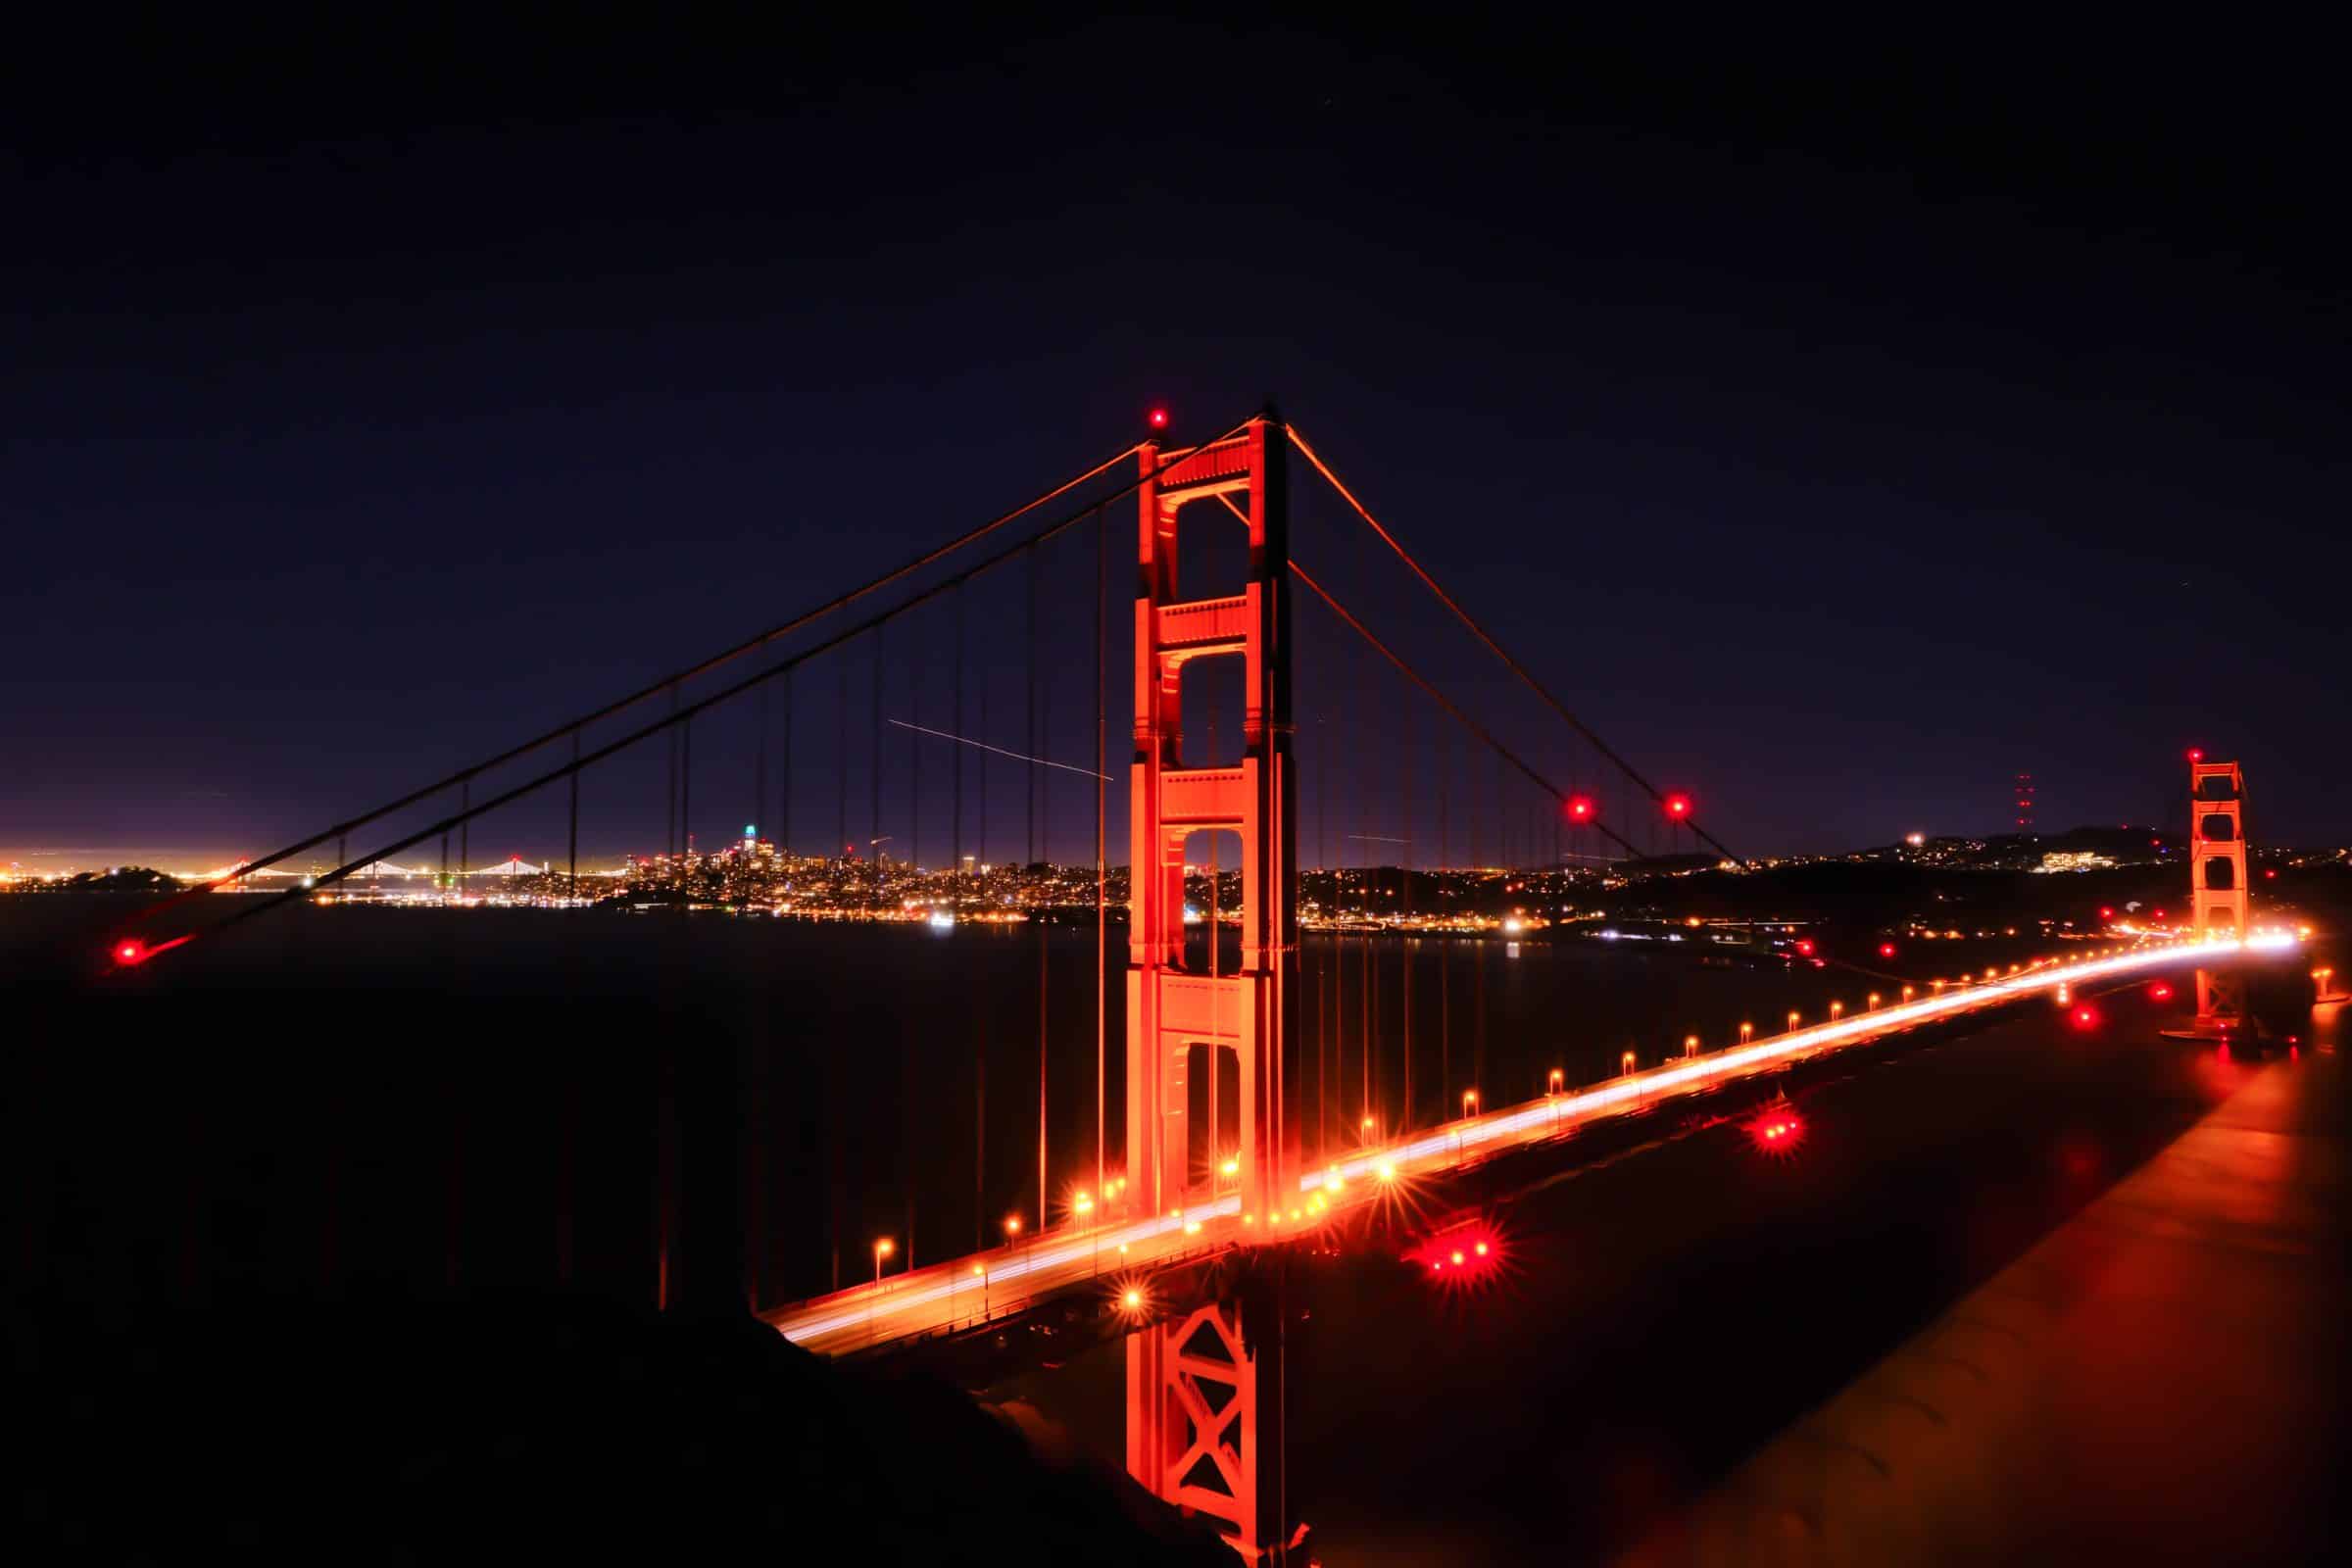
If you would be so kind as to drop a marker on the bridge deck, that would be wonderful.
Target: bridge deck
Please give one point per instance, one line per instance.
(950, 1296)
(2161, 1379)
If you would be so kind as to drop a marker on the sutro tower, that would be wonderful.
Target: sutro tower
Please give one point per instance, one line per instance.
(2024, 803)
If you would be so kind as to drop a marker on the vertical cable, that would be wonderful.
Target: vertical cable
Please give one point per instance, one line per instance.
(1101, 811)
(841, 759)
(784, 784)
(912, 861)
(874, 782)
(980, 821)
(573, 838)
(670, 806)
(760, 768)
(686, 787)
(1045, 805)
(955, 887)
(1446, 937)
(1406, 941)
(1029, 713)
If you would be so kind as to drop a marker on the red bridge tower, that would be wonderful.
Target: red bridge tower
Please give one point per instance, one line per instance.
(1205, 1393)
(2216, 845)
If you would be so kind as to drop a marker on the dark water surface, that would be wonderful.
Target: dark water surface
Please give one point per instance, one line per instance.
(403, 1099)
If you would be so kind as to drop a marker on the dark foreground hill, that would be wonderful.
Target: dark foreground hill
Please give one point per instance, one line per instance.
(526, 1430)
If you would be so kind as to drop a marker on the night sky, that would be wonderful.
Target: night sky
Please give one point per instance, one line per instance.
(1839, 433)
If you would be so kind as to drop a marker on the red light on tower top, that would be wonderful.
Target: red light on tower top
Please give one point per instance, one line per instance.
(1157, 418)
(1580, 810)
(2196, 754)
(1678, 805)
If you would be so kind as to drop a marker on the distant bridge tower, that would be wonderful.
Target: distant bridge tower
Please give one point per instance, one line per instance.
(2217, 842)
(1204, 1394)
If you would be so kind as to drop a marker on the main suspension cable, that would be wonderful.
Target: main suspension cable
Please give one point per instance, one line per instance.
(1525, 675)
(1449, 704)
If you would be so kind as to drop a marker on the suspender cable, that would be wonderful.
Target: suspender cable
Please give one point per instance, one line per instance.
(874, 752)
(1045, 731)
(572, 837)
(1480, 632)
(1405, 941)
(1029, 711)
(1445, 942)
(686, 788)
(1101, 817)
(841, 756)
(760, 768)
(1362, 971)
(955, 887)
(784, 814)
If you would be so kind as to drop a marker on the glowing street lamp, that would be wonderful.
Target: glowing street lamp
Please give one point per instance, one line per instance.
(981, 1269)
(1690, 1044)
(883, 1247)
(1792, 1020)
(1469, 1101)
(1747, 1032)
(1837, 1009)
(1557, 1082)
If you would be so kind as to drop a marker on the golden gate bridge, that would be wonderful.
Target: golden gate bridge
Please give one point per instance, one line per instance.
(1244, 1116)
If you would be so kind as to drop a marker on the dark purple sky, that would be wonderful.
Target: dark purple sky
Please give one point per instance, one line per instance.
(1840, 434)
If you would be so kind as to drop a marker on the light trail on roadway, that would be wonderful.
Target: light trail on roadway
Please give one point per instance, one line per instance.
(1120, 1254)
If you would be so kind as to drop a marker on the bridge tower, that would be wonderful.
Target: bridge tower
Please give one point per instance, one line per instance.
(1205, 1391)
(2216, 842)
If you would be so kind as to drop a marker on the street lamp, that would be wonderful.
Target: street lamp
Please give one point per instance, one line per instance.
(1792, 1020)
(1747, 1032)
(1469, 1101)
(1690, 1044)
(981, 1269)
(1558, 1081)
(883, 1247)
(1083, 1205)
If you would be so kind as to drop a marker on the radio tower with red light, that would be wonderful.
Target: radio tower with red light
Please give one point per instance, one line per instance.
(2025, 804)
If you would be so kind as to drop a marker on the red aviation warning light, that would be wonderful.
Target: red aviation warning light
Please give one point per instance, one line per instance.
(1885, 949)
(1157, 420)
(1778, 1130)
(130, 951)
(1580, 809)
(2161, 991)
(1804, 945)
(1678, 805)
(2196, 754)
(2086, 1017)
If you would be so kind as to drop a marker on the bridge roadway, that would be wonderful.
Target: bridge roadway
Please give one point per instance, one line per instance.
(1112, 1254)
